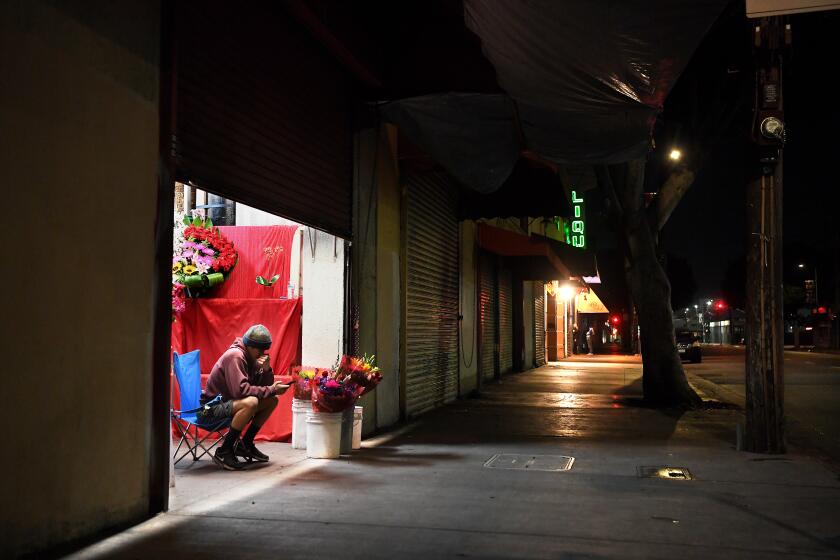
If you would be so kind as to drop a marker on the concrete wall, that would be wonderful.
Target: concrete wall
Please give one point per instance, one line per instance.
(468, 368)
(323, 305)
(78, 169)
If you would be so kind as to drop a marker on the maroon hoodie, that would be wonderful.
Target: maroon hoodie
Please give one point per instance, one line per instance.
(235, 377)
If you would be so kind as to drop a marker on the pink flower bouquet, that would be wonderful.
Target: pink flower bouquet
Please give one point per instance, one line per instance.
(330, 394)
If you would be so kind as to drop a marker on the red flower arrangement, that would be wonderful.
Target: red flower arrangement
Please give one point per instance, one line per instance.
(202, 258)
(209, 236)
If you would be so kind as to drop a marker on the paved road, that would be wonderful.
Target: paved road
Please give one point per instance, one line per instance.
(812, 392)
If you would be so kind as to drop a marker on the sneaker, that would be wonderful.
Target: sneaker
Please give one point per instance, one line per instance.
(249, 451)
(226, 459)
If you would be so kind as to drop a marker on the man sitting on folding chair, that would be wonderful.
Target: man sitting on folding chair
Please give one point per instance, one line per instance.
(245, 381)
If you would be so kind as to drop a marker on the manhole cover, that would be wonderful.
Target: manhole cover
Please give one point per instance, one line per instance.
(530, 462)
(671, 473)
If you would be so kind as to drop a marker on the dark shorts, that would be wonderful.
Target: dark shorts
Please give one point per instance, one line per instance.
(218, 411)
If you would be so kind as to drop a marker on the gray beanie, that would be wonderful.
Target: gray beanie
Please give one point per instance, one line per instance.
(257, 336)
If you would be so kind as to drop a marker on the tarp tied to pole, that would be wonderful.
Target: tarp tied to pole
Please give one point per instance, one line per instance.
(584, 82)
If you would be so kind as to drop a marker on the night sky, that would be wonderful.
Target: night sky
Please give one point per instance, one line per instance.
(708, 228)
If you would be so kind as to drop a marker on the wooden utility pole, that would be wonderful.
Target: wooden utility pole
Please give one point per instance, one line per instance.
(764, 318)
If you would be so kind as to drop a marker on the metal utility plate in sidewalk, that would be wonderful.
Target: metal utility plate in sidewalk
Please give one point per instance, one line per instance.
(551, 463)
(669, 473)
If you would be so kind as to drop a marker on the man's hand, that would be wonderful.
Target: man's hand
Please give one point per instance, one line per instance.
(264, 362)
(280, 388)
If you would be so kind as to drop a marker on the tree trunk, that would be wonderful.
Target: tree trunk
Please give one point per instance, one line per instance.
(663, 381)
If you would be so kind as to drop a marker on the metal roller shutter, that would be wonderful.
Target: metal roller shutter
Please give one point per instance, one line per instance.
(432, 293)
(539, 322)
(505, 321)
(262, 113)
(489, 298)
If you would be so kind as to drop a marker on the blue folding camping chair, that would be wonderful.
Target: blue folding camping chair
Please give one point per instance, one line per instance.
(188, 373)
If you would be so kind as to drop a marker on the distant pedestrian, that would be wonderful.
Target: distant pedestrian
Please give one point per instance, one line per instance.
(590, 337)
(575, 340)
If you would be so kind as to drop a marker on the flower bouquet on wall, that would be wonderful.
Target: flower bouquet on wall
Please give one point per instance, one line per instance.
(202, 258)
(302, 377)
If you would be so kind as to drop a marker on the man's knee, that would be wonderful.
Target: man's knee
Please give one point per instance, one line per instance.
(248, 403)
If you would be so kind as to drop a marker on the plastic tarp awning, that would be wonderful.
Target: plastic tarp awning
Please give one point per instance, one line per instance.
(530, 190)
(583, 83)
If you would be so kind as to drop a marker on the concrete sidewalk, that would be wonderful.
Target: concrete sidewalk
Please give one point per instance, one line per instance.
(424, 492)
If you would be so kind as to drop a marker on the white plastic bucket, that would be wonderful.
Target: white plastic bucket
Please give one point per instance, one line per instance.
(323, 435)
(347, 431)
(299, 410)
(357, 427)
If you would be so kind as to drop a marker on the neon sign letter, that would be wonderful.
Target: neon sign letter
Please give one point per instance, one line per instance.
(578, 225)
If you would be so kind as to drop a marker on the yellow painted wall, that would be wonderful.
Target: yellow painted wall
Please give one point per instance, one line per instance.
(376, 258)
(388, 283)
(78, 169)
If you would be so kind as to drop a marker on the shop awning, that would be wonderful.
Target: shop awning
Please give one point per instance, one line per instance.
(589, 302)
(534, 258)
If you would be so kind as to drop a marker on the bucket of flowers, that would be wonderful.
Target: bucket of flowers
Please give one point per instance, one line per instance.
(202, 258)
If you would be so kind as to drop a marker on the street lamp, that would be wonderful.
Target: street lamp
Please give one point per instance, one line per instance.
(567, 292)
(675, 155)
(802, 266)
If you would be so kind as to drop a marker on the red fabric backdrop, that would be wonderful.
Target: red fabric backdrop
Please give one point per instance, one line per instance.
(211, 324)
(263, 251)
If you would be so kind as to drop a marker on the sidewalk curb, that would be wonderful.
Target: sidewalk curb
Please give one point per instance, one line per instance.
(709, 390)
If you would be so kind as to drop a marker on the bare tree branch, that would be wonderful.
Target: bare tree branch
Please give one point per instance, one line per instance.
(669, 196)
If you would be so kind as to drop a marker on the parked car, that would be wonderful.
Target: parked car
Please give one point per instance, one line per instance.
(688, 345)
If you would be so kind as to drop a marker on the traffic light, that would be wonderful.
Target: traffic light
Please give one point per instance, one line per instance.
(615, 319)
(720, 305)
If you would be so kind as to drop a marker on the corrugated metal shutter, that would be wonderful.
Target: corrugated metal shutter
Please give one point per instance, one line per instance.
(488, 296)
(539, 322)
(432, 293)
(262, 113)
(505, 321)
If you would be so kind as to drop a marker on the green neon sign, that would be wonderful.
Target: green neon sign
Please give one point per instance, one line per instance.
(576, 231)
